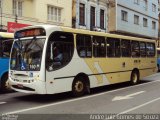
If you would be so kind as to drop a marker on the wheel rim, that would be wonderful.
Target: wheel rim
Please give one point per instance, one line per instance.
(135, 78)
(79, 86)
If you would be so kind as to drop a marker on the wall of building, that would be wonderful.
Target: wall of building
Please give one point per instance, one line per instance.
(140, 7)
(130, 27)
(98, 5)
(112, 17)
(136, 9)
(35, 12)
(66, 15)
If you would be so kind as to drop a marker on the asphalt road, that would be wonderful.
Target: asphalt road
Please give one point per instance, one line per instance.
(119, 99)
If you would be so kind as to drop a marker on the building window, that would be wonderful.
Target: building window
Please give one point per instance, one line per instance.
(82, 14)
(92, 18)
(136, 2)
(1, 3)
(124, 15)
(153, 8)
(17, 7)
(102, 19)
(54, 14)
(145, 4)
(136, 19)
(153, 25)
(145, 22)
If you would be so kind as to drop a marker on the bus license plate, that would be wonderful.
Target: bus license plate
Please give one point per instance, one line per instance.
(20, 85)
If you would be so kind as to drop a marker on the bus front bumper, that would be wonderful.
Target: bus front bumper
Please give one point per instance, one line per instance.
(36, 87)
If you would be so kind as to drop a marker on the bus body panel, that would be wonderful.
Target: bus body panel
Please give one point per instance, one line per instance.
(100, 71)
(4, 66)
(28, 82)
(61, 80)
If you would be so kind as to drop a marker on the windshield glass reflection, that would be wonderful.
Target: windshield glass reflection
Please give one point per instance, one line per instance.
(26, 54)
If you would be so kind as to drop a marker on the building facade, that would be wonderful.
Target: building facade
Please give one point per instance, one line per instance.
(33, 12)
(90, 15)
(158, 41)
(134, 17)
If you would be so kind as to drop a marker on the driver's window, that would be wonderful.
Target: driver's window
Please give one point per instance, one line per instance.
(6, 48)
(59, 51)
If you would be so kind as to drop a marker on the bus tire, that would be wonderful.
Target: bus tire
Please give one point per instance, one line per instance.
(134, 77)
(79, 87)
(4, 83)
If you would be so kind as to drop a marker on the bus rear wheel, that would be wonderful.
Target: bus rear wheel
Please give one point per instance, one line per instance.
(79, 87)
(134, 77)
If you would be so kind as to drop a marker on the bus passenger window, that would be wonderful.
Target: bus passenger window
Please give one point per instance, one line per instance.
(84, 45)
(6, 48)
(99, 47)
(143, 49)
(135, 49)
(150, 49)
(113, 47)
(126, 48)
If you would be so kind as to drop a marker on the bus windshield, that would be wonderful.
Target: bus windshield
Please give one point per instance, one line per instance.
(26, 54)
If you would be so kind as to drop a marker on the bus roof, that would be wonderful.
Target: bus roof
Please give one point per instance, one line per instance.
(104, 34)
(48, 28)
(6, 35)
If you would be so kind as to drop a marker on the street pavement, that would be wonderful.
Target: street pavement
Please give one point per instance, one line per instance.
(118, 99)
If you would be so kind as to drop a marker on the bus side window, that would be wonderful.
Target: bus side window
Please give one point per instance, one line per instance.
(158, 53)
(135, 49)
(1, 54)
(113, 47)
(84, 45)
(99, 46)
(126, 48)
(150, 49)
(143, 49)
(6, 48)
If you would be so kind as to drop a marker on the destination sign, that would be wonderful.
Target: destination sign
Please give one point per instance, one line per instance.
(30, 33)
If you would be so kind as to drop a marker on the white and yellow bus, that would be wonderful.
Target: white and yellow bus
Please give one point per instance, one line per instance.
(88, 59)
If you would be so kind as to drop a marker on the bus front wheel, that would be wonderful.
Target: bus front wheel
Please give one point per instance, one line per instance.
(5, 84)
(134, 77)
(79, 87)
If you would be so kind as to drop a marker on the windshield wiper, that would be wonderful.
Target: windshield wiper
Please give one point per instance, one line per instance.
(30, 44)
